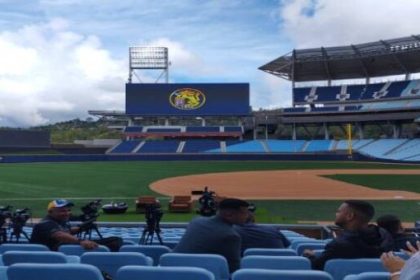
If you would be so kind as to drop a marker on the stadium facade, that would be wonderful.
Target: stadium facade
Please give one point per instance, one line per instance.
(344, 97)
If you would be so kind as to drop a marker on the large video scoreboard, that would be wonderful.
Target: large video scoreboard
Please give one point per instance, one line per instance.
(187, 99)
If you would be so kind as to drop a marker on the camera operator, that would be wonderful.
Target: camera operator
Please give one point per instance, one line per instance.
(55, 229)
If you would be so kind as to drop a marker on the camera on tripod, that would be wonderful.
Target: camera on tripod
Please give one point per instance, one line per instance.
(153, 216)
(207, 201)
(18, 221)
(88, 218)
(5, 215)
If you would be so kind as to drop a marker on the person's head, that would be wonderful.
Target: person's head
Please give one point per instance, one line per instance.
(391, 223)
(354, 214)
(234, 211)
(60, 209)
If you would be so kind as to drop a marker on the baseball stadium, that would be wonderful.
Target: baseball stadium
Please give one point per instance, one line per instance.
(351, 132)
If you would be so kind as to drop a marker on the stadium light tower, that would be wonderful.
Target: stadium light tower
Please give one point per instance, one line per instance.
(148, 58)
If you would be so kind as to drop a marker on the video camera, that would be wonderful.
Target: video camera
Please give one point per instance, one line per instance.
(21, 216)
(153, 216)
(89, 217)
(18, 221)
(90, 210)
(207, 203)
(5, 213)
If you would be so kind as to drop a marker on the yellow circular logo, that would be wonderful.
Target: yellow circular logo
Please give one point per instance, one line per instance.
(187, 99)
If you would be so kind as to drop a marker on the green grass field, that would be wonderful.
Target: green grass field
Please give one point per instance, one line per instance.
(33, 185)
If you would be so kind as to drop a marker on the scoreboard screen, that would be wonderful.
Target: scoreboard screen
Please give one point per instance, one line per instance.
(187, 99)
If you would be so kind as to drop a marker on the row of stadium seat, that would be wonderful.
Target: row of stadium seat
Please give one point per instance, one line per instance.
(397, 149)
(373, 106)
(162, 129)
(111, 262)
(352, 93)
(129, 272)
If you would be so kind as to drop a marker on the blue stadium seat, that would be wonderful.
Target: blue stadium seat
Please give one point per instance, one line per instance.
(165, 146)
(77, 250)
(133, 129)
(12, 257)
(339, 268)
(311, 246)
(110, 262)
(368, 276)
(163, 273)
(265, 274)
(202, 129)
(153, 251)
(3, 272)
(285, 146)
(254, 146)
(294, 242)
(22, 247)
(269, 252)
(125, 147)
(25, 271)
(216, 264)
(276, 262)
(199, 146)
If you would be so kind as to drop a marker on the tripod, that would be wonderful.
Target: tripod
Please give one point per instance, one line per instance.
(17, 231)
(87, 228)
(149, 231)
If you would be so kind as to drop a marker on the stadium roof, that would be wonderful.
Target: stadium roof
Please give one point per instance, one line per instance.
(382, 58)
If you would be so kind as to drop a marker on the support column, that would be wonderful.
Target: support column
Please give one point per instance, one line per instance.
(254, 128)
(326, 134)
(293, 131)
(396, 130)
(359, 128)
(130, 121)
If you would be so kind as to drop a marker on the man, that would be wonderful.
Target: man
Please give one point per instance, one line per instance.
(215, 235)
(260, 236)
(55, 229)
(393, 225)
(358, 239)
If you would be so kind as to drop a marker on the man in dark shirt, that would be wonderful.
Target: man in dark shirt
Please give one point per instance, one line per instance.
(260, 236)
(393, 225)
(358, 239)
(55, 229)
(215, 235)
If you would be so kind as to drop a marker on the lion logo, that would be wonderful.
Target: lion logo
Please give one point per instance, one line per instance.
(187, 99)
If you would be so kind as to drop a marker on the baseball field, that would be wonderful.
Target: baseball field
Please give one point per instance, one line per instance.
(284, 192)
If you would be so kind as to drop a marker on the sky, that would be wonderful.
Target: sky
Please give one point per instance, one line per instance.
(61, 58)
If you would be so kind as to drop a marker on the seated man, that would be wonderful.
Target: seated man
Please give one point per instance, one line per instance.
(55, 230)
(215, 235)
(393, 225)
(358, 239)
(260, 236)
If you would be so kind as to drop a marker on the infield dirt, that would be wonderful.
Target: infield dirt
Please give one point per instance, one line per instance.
(286, 185)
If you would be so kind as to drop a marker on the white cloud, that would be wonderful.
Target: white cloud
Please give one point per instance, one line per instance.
(184, 60)
(49, 73)
(330, 22)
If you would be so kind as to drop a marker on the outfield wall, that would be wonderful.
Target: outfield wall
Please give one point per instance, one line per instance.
(195, 157)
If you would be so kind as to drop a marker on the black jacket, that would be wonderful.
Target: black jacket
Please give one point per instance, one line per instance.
(370, 242)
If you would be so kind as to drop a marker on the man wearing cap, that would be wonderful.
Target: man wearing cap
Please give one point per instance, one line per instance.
(55, 229)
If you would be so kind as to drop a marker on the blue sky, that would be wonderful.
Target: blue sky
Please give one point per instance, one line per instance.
(60, 58)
